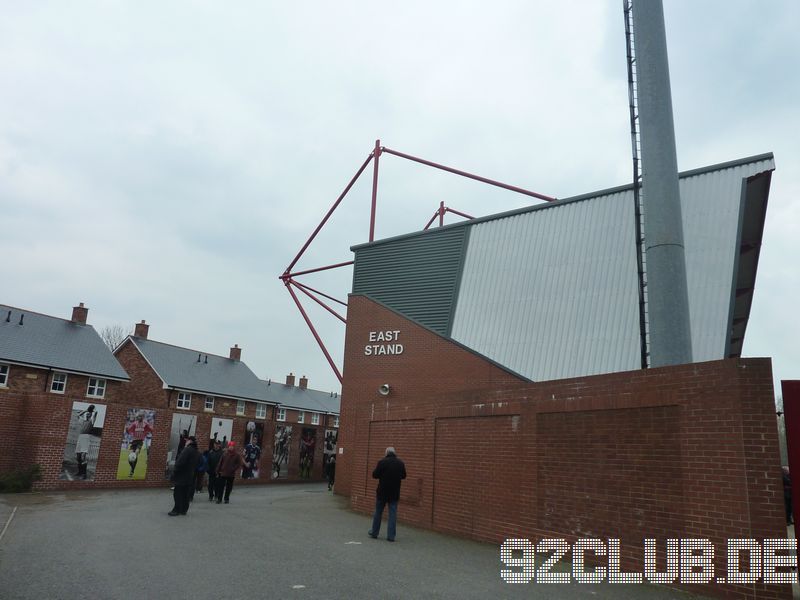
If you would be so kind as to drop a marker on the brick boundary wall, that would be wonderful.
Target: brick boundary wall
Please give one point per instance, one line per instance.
(689, 451)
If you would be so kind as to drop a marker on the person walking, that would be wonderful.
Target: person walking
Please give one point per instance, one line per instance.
(331, 472)
(389, 472)
(183, 477)
(230, 463)
(213, 458)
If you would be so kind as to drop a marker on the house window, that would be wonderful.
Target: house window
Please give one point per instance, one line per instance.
(315, 418)
(184, 400)
(261, 411)
(301, 416)
(335, 421)
(96, 388)
(281, 415)
(209, 403)
(59, 383)
(3, 375)
(240, 407)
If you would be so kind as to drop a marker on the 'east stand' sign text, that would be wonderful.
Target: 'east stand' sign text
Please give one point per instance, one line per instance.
(388, 343)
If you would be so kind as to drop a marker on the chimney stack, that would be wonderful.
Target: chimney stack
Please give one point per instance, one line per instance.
(236, 352)
(141, 330)
(79, 314)
(303, 382)
(290, 379)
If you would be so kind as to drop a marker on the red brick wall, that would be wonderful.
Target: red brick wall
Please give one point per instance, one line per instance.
(681, 452)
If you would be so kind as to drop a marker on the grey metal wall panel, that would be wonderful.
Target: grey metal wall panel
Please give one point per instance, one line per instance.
(711, 203)
(415, 276)
(553, 293)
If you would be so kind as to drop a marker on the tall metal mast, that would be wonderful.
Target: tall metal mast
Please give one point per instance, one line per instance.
(668, 321)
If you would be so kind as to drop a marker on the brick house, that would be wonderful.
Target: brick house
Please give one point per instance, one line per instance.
(193, 392)
(50, 370)
(306, 420)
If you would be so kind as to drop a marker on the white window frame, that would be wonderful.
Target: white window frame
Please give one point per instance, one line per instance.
(281, 415)
(301, 416)
(184, 401)
(209, 404)
(261, 411)
(96, 390)
(314, 418)
(241, 407)
(54, 382)
(336, 420)
(4, 371)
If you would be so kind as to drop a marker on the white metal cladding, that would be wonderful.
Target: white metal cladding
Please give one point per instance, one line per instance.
(553, 293)
(711, 203)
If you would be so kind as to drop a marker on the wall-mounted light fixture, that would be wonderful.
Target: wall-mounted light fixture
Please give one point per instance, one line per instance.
(384, 389)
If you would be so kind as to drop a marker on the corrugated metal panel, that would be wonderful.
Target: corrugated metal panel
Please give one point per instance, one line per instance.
(711, 203)
(553, 293)
(415, 276)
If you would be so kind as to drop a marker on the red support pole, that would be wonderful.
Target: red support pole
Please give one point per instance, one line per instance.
(469, 175)
(288, 275)
(441, 213)
(328, 215)
(460, 214)
(320, 302)
(376, 155)
(324, 295)
(314, 332)
(431, 220)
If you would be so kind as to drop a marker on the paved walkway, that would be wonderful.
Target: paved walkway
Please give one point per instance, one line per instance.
(278, 541)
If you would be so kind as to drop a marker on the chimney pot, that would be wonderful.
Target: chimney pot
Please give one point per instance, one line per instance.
(290, 379)
(303, 382)
(79, 314)
(141, 330)
(236, 352)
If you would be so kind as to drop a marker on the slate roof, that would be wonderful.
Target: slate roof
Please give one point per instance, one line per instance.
(48, 342)
(292, 396)
(213, 375)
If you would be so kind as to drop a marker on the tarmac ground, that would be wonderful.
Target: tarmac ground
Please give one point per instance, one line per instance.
(273, 541)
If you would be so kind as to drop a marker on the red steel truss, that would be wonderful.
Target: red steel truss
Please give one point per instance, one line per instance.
(288, 276)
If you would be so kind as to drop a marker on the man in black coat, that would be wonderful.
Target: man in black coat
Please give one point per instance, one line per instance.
(183, 476)
(214, 455)
(390, 472)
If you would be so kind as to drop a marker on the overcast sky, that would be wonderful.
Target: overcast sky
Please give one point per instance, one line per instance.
(166, 160)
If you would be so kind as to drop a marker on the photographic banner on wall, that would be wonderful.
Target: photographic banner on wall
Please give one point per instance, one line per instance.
(221, 431)
(136, 440)
(329, 451)
(254, 433)
(183, 426)
(280, 452)
(308, 443)
(83, 441)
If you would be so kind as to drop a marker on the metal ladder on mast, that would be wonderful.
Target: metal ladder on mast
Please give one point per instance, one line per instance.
(636, 148)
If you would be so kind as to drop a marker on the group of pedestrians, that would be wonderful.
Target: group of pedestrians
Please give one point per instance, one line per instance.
(222, 466)
(190, 466)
